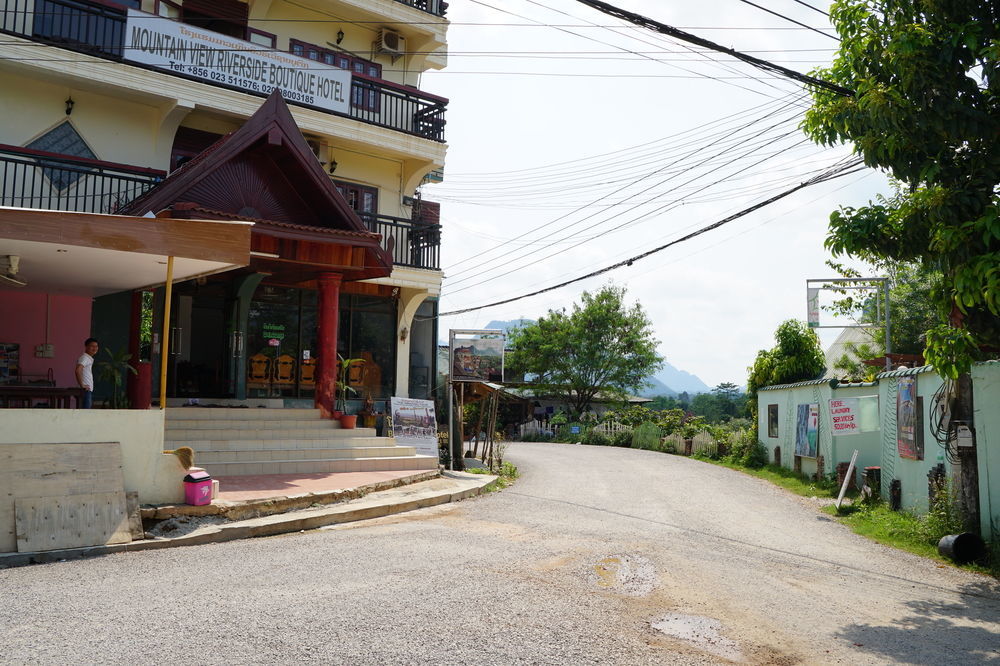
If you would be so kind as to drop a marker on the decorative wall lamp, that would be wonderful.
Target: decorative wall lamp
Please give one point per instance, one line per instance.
(69, 105)
(340, 36)
(403, 332)
(333, 165)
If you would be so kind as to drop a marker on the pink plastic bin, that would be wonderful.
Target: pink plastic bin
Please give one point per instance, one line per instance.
(198, 488)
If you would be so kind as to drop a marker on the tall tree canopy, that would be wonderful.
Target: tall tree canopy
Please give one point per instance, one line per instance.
(926, 109)
(796, 357)
(601, 346)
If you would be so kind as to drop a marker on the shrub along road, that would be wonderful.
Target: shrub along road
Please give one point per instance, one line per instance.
(595, 555)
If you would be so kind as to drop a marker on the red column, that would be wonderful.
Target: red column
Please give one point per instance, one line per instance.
(329, 322)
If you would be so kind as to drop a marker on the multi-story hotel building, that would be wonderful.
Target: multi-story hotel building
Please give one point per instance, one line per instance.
(305, 118)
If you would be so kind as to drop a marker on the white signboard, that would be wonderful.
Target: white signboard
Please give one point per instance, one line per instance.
(414, 424)
(812, 306)
(210, 56)
(845, 416)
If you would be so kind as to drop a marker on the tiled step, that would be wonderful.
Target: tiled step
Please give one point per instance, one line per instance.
(287, 443)
(209, 456)
(274, 434)
(323, 466)
(235, 414)
(252, 424)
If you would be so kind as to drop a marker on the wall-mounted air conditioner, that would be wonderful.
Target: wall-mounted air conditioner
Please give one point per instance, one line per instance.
(391, 42)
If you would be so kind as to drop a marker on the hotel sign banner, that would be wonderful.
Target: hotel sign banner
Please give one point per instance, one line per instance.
(216, 58)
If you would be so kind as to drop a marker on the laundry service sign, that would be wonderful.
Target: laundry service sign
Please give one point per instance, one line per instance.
(210, 56)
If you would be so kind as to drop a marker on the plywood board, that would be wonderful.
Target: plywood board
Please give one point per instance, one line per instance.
(54, 470)
(75, 521)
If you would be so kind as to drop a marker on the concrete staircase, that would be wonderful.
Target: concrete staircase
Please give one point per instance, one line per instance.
(240, 442)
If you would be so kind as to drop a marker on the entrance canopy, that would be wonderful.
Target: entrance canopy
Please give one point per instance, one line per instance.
(86, 254)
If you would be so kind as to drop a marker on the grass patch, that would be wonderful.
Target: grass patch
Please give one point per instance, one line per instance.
(799, 484)
(891, 528)
(508, 473)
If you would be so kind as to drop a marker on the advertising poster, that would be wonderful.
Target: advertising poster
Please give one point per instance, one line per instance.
(807, 430)
(845, 417)
(908, 440)
(217, 58)
(415, 424)
(477, 359)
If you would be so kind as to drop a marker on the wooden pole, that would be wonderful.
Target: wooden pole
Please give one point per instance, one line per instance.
(165, 346)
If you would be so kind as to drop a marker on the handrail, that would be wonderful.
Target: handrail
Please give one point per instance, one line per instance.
(58, 157)
(30, 180)
(412, 243)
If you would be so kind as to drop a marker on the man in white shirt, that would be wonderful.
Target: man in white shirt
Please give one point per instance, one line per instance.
(85, 371)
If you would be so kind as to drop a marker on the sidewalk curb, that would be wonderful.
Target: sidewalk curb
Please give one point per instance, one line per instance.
(368, 507)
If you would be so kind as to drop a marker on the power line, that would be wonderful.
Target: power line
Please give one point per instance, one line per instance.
(664, 208)
(641, 20)
(815, 9)
(644, 41)
(599, 199)
(504, 11)
(849, 167)
(789, 19)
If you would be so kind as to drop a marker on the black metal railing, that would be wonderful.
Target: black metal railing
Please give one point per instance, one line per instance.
(31, 179)
(436, 7)
(100, 31)
(411, 243)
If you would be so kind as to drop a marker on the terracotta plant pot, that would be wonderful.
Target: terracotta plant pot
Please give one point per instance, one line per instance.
(349, 421)
(336, 414)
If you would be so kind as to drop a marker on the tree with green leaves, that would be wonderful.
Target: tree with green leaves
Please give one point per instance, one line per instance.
(796, 357)
(601, 347)
(926, 109)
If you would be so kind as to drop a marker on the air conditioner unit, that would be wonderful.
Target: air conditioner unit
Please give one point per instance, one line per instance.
(391, 42)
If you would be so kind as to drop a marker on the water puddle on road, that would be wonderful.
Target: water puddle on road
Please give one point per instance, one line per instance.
(633, 575)
(703, 633)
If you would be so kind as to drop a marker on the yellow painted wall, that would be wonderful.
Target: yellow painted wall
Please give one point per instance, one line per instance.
(117, 130)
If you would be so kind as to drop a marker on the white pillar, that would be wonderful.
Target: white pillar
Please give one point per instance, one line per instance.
(409, 300)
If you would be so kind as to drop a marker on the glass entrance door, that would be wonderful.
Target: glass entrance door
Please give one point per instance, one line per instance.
(281, 343)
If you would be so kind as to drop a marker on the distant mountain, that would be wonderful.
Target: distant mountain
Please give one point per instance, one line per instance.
(507, 325)
(655, 388)
(681, 381)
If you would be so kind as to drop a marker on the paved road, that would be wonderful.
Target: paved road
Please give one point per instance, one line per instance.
(597, 555)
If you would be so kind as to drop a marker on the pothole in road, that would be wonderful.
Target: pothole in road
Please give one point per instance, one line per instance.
(703, 633)
(633, 575)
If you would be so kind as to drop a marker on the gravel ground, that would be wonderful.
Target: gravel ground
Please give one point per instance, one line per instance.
(595, 556)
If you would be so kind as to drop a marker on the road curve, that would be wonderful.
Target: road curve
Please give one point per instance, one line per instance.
(596, 555)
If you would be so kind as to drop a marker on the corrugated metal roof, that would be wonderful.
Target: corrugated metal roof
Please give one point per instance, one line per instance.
(811, 382)
(903, 372)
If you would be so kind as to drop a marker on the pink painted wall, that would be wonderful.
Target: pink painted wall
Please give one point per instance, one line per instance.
(22, 320)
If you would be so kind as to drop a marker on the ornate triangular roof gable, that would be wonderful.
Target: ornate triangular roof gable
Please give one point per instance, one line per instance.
(264, 170)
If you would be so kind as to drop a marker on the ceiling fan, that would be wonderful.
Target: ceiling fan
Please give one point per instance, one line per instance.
(8, 271)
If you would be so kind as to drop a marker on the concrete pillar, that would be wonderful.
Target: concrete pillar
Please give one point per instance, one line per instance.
(328, 325)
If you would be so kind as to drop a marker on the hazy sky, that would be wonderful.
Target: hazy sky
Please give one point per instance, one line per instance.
(573, 146)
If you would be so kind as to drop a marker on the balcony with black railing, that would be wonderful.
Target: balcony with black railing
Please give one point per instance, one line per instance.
(411, 242)
(99, 30)
(37, 179)
(436, 7)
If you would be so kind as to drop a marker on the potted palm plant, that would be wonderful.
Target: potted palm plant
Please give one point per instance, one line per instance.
(343, 373)
(115, 370)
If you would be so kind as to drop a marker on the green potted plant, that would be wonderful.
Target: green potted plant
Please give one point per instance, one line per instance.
(346, 420)
(115, 371)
